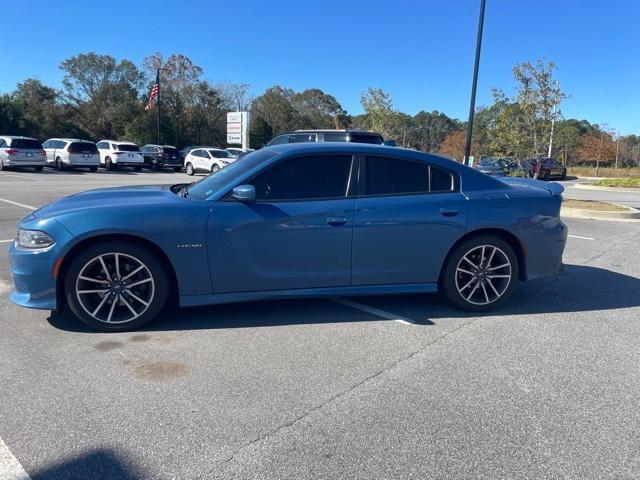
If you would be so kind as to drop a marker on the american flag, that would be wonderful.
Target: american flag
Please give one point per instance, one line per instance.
(153, 96)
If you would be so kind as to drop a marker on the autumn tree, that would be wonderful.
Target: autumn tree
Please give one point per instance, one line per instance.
(598, 146)
(453, 145)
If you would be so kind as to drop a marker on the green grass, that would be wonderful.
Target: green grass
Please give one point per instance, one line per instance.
(629, 182)
(604, 172)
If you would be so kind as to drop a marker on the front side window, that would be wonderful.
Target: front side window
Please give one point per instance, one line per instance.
(305, 178)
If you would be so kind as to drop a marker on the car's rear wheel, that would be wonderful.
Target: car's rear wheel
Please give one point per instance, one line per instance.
(38, 169)
(108, 164)
(564, 175)
(59, 164)
(93, 169)
(137, 169)
(177, 169)
(480, 274)
(189, 169)
(547, 175)
(115, 286)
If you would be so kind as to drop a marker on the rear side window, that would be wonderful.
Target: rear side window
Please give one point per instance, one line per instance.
(84, 147)
(364, 138)
(279, 140)
(387, 176)
(305, 178)
(26, 143)
(441, 180)
(171, 151)
(124, 147)
(302, 138)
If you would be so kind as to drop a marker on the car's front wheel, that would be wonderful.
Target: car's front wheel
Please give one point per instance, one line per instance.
(116, 286)
(189, 169)
(480, 274)
(214, 168)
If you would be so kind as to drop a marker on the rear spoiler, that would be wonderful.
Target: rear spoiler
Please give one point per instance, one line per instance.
(552, 187)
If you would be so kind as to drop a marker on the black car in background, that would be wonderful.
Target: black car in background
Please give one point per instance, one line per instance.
(157, 157)
(355, 136)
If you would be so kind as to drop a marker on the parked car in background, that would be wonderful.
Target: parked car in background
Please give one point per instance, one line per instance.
(63, 153)
(157, 157)
(207, 159)
(549, 168)
(290, 221)
(239, 152)
(354, 136)
(21, 152)
(185, 151)
(115, 154)
(489, 166)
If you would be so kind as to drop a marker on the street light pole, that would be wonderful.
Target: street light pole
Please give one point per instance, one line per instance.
(472, 106)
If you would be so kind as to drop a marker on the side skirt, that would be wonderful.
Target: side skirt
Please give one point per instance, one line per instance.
(219, 298)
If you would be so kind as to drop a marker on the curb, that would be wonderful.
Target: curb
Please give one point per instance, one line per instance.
(631, 214)
(585, 186)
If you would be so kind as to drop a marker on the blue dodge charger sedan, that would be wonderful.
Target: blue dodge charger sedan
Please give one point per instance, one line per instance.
(295, 220)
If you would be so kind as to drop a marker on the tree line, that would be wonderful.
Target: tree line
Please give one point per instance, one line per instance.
(102, 97)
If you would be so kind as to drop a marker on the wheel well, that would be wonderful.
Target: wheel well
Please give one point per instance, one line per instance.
(68, 258)
(517, 246)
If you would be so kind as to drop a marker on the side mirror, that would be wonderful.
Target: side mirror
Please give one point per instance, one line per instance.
(390, 143)
(245, 193)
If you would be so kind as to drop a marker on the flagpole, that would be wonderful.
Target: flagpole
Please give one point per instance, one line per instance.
(158, 104)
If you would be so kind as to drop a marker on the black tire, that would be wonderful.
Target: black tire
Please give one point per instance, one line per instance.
(38, 169)
(564, 175)
(177, 169)
(1, 166)
(215, 168)
(93, 169)
(547, 176)
(189, 169)
(108, 164)
(452, 278)
(137, 169)
(154, 268)
(59, 165)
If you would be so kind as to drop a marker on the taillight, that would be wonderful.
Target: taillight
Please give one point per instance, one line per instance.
(42, 152)
(11, 151)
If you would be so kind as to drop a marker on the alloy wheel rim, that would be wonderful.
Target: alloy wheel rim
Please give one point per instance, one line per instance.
(115, 288)
(483, 275)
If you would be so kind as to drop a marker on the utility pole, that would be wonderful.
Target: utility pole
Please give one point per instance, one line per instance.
(158, 104)
(553, 120)
(617, 146)
(474, 84)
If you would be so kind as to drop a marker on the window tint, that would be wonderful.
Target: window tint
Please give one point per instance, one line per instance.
(26, 143)
(171, 151)
(364, 138)
(124, 147)
(302, 138)
(83, 147)
(2, 143)
(335, 136)
(46, 144)
(220, 154)
(385, 176)
(441, 180)
(279, 140)
(324, 176)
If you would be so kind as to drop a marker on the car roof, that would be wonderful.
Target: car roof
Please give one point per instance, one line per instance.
(69, 139)
(15, 137)
(123, 142)
(338, 130)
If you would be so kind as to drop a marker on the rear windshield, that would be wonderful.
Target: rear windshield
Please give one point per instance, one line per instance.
(363, 138)
(123, 147)
(171, 151)
(84, 147)
(335, 137)
(26, 143)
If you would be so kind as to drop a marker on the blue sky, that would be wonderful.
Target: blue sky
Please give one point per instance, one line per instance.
(421, 52)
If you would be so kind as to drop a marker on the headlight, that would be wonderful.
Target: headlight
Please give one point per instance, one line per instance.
(34, 239)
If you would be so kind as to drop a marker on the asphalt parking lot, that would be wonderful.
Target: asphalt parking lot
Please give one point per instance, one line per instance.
(375, 387)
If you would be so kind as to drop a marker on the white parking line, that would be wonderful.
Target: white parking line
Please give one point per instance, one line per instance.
(6, 241)
(11, 202)
(10, 468)
(581, 238)
(374, 311)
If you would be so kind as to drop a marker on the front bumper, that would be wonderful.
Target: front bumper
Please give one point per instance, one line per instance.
(32, 271)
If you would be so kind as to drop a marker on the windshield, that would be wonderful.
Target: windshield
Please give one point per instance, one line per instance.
(488, 162)
(126, 147)
(220, 154)
(210, 184)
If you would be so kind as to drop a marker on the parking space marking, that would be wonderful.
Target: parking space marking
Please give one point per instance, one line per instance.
(10, 468)
(21, 177)
(7, 241)
(11, 202)
(374, 311)
(581, 238)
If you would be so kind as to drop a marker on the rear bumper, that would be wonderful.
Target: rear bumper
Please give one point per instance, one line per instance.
(24, 163)
(545, 249)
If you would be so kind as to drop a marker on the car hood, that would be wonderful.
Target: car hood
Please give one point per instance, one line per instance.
(530, 183)
(109, 197)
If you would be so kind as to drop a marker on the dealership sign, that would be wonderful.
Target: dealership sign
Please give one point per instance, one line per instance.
(238, 128)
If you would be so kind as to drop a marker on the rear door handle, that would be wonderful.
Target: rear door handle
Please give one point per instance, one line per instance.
(447, 212)
(336, 221)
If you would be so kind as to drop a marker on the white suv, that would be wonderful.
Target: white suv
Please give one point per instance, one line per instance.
(71, 152)
(208, 160)
(115, 154)
(21, 152)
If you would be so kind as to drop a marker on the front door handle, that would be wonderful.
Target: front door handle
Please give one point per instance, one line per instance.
(336, 221)
(448, 212)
